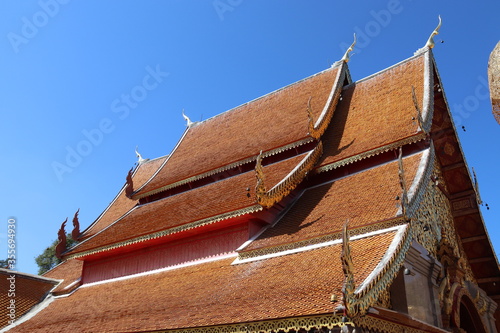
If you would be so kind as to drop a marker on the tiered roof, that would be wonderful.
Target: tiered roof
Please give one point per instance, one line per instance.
(121, 204)
(69, 273)
(213, 202)
(298, 163)
(377, 113)
(236, 137)
(285, 286)
(365, 199)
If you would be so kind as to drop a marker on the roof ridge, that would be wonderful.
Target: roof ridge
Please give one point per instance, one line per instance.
(306, 140)
(387, 69)
(154, 159)
(30, 276)
(168, 156)
(271, 93)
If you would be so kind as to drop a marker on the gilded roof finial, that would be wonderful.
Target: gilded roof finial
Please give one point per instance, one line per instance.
(189, 123)
(140, 160)
(430, 42)
(402, 183)
(346, 56)
(348, 288)
(260, 188)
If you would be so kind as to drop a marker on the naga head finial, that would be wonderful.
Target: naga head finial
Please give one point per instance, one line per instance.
(346, 56)
(129, 186)
(140, 160)
(61, 245)
(189, 123)
(75, 234)
(430, 42)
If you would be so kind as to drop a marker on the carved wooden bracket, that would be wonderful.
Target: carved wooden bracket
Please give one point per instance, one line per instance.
(348, 289)
(402, 183)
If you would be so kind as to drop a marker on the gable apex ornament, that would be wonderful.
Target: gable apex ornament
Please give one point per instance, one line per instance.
(189, 123)
(140, 160)
(347, 56)
(430, 42)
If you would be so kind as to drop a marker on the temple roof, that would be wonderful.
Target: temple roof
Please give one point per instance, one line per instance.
(68, 272)
(210, 180)
(25, 290)
(194, 298)
(213, 202)
(377, 111)
(365, 199)
(121, 204)
(237, 136)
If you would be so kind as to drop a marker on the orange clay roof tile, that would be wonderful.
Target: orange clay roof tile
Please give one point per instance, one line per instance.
(376, 111)
(281, 287)
(27, 291)
(217, 198)
(68, 271)
(365, 198)
(272, 121)
(122, 204)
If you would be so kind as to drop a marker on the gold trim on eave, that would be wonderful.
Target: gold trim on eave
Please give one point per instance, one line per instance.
(170, 231)
(373, 152)
(287, 184)
(224, 168)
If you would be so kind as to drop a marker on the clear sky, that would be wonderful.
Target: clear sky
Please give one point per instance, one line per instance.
(82, 83)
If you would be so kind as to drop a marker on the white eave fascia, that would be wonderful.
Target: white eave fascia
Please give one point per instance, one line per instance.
(386, 258)
(316, 246)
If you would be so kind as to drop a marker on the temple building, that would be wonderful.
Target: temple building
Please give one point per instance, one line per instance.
(329, 205)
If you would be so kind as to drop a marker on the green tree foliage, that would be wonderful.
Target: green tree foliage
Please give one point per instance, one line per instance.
(4, 264)
(48, 260)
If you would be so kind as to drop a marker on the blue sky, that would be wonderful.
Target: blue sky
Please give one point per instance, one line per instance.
(68, 69)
